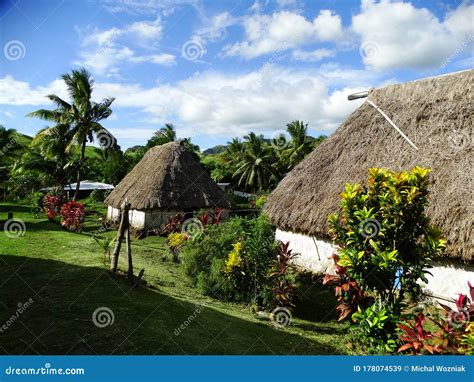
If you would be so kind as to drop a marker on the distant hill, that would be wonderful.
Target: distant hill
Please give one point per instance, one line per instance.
(215, 150)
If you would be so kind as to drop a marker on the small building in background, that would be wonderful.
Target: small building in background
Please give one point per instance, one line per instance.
(169, 179)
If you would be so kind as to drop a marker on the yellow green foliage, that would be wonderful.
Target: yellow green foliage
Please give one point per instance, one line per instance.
(234, 260)
(176, 239)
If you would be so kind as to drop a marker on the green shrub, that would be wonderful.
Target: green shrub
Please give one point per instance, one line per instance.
(210, 261)
(386, 244)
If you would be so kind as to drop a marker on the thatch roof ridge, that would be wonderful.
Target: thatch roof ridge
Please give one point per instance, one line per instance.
(431, 112)
(168, 177)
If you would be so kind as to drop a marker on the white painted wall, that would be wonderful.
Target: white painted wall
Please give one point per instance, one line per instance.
(449, 278)
(315, 254)
(137, 218)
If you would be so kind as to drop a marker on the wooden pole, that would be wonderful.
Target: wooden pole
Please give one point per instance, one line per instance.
(120, 234)
(129, 252)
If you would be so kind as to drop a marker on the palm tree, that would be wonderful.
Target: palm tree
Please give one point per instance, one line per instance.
(164, 135)
(255, 168)
(81, 114)
(300, 145)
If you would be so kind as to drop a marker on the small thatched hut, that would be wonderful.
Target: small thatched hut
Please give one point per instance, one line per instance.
(169, 179)
(436, 114)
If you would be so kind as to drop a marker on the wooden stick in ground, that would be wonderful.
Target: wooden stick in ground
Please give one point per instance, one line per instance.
(129, 253)
(120, 233)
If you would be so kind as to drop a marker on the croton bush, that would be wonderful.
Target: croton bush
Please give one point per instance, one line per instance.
(52, 203)
(72, 216)
(385, 247)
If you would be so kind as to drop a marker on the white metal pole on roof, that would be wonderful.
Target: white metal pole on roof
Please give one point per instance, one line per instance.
(393, 124)
(365, 94)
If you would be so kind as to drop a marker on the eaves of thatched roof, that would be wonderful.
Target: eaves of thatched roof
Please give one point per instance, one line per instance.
(436, 114)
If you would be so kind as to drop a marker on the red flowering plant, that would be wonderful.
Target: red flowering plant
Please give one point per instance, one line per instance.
(52, 205)
(72, 216)
(282, 287)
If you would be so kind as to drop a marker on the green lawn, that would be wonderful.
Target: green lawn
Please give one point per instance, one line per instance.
(64, 275)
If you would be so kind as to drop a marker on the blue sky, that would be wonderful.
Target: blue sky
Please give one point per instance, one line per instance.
(219, 69)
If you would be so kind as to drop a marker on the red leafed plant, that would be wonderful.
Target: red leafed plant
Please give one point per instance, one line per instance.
(173, 224)
(347, 291)
(282, 287)
(465, 309)
(52, 205)
(416, 339)
(217, 217)
(72, 216)
(204, 218)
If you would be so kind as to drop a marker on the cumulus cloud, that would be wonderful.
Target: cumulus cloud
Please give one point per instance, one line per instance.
(284, 30)
(219, 104)
(104, 50)
(398, 35)
(313, 55)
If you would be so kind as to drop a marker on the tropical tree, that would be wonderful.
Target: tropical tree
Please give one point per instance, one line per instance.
(300, 145)
(81, 114)
(255, 168)
(164, 135)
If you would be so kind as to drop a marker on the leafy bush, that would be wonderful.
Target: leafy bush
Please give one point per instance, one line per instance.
(280, 279)
(260, 201)
(175, 242)
(72, 216)
(385, 243)
(376, 327)
(231, 261)
(52, 203)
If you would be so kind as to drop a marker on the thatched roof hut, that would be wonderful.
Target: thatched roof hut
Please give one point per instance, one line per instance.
(436, 114)
(169, 178)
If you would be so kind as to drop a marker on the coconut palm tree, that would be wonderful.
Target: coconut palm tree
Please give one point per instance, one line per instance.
(164, 135)
(300, 145)
(255, 168)
(81, 114)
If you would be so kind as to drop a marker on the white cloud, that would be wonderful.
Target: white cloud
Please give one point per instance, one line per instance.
(312, 56)
(219, 104)
(397, 35)
(104, 51)
(284, 30)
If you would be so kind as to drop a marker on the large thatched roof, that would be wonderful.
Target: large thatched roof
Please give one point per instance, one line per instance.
(436, 114)
(168, 177)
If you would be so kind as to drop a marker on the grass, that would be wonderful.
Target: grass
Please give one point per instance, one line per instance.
(65, 276)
